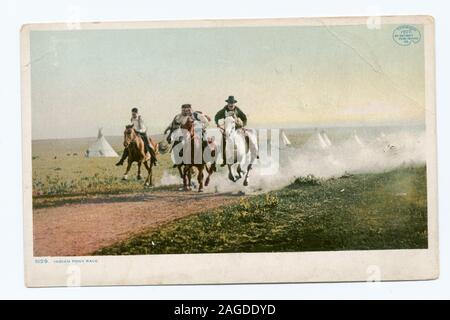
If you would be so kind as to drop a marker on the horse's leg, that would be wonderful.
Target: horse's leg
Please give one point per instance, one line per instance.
(242, 158)
(189, 178)
(151, 174)
(246, 175)
(230, 173)
(125, 176)
(149, 168)
(149, 180)
(239, 171)
(185, 177)
(139, 177)
(209, 170)
(180, 170)
(200, 178)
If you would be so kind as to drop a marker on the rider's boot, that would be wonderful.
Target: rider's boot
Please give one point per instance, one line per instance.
(124, 156)
(224, 155)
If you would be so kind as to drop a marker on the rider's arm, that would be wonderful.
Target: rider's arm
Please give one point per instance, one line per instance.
(242, 116)
(174, 124)
(219, 115)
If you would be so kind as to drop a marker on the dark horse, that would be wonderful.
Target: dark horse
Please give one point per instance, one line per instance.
(136, 153)
(196, 145)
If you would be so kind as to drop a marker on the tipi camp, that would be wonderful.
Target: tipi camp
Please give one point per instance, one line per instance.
(101, 147)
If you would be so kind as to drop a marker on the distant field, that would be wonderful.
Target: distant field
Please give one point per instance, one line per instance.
(60, 169)
(361, 212)
(61, 172)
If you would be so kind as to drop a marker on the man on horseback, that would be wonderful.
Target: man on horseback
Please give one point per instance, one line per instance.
(139, 126)
(194, 137)
(186, 115)
(230, 110)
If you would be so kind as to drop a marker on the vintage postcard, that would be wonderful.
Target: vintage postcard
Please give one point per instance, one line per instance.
(229, 151)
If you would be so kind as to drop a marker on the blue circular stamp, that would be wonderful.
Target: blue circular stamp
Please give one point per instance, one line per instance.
(406, 34)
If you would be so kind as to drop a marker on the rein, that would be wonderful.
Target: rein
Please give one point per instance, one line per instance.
(130, 140)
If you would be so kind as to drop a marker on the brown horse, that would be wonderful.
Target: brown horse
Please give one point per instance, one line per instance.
(136, 153)
(186, 173)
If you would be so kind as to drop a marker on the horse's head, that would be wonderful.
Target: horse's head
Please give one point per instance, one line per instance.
(229, 126)
(129, 135)
(188, 125)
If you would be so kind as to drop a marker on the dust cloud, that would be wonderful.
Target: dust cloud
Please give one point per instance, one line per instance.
(324, 155)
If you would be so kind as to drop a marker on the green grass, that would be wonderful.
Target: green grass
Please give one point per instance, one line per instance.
(359, 212)
(61, 172)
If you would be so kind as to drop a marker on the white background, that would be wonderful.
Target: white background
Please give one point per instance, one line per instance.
(15, 13)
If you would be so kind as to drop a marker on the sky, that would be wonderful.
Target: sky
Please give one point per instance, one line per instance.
(290, 76)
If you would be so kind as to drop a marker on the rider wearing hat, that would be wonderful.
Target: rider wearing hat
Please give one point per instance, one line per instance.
(181, 118)
(230, 110)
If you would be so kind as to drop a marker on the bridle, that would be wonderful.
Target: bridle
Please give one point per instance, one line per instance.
(130, 137)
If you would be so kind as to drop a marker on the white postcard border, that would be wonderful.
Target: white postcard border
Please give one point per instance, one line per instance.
(374, 265)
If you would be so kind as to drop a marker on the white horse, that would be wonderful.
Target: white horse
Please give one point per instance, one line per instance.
(240, 152)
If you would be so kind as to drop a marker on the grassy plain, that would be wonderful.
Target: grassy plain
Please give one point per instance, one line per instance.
(62, 174)
(360, 212)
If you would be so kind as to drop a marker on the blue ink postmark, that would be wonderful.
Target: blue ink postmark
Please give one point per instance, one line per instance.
(405, 35)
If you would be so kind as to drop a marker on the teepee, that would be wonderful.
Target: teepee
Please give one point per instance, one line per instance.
(285, 139)
(101, 148)
(324, 141)
(357, 139)
(325, 138)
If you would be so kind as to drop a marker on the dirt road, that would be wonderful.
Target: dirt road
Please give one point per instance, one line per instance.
(80, 229)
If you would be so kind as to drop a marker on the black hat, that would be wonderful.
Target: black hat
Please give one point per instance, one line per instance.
(231, 99)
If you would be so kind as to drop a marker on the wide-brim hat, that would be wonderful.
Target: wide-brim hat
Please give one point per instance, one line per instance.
(231, 99)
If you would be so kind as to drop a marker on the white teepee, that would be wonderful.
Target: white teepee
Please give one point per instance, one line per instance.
(357, 139)
(326, 139)
(285, 139)
(323, 140)
(101, 148)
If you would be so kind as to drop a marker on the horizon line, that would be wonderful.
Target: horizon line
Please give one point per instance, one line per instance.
(287, 127)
